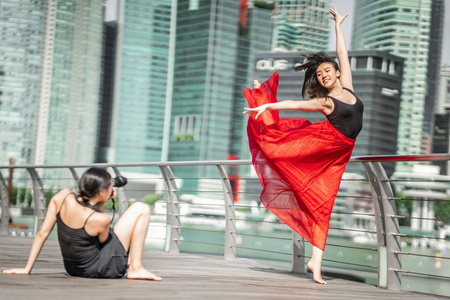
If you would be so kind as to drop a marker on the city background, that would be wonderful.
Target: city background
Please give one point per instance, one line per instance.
(138, 81)
(147, 81)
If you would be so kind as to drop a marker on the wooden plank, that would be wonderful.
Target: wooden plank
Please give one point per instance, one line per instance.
(186, 276)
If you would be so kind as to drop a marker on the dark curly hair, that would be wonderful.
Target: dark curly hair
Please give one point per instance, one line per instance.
(311, 85)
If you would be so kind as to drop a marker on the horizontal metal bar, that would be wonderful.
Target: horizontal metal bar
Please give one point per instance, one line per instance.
(355, 230)
(351, 247)
(423, 274)
(259, 221)
(425, 200)
(137, 164)
(416, 180)
(424, 255)
(372, 158)
(392, 158)
(417, 218)
(207, 230)
(352, 213)
(264, 236)
(419, 236)
(199, 242)
(262, 250)
(343, 262)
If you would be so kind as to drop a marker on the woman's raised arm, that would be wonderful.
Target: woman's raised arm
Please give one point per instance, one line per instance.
(341, 50)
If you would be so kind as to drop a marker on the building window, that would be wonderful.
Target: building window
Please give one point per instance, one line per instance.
(186, 128)
(361, 63)
(193, 4)
(377, 63)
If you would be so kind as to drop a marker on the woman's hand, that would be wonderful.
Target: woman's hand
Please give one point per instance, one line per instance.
(21, 271)
(258, 110)
(336, 16)
(256, 84)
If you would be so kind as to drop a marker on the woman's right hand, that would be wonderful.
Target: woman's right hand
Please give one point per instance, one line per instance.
(21, 271)
(258, 110)
(336, 16)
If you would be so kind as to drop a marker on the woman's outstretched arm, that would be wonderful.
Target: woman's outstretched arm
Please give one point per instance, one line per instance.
(313, 105)
(341, 50)
(39, 240)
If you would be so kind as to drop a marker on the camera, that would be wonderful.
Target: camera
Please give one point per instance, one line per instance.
(120, 181)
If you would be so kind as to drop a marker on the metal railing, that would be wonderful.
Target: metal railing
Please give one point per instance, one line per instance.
(385, 216)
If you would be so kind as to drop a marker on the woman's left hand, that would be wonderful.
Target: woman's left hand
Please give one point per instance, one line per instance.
(258, 110)
(21, 271)
(336, 16)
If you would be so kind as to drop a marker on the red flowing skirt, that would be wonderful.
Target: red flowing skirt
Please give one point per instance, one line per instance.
(300, 165)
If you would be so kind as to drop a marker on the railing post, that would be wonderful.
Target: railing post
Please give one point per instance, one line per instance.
(388, 239)
(123, 199)
(298, 253)
(39, 200)
(173, 224)
(5, 206)
(230, 216)
(74, 175)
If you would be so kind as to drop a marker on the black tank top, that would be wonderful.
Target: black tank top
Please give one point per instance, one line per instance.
(76, 243)
(347, 118)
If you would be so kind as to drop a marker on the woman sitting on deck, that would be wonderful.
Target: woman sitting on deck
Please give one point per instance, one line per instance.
(89, 246)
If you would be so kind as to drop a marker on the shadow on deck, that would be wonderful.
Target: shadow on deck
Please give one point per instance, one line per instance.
(185, 276)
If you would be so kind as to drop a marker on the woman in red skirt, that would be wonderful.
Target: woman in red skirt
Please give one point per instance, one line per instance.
(300, 164)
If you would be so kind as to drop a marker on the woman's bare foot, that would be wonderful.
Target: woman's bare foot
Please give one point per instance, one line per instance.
(315, 269)
(142, 273)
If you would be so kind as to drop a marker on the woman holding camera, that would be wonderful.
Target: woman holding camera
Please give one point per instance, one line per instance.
(90, 248)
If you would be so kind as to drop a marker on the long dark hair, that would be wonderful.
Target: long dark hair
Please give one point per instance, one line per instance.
(311, 85)
(93, 181)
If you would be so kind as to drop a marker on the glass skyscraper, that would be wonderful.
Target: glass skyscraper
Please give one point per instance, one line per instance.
(142, 82)
(51, 53)
(412, 30)
(215, 41)
(301, 25)
(22, 29)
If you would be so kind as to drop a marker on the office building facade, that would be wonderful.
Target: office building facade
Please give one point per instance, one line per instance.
(22, 28)
(412, 30)
(441, 136)
(142, 81)
(52, 78)
(107, 91)
(301, 25)
(215, 41)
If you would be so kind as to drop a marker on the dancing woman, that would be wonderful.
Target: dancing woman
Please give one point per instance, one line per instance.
(90, 248)
(300, 164)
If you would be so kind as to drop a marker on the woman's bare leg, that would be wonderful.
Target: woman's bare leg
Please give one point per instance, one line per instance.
(131, 229)
(315, 264)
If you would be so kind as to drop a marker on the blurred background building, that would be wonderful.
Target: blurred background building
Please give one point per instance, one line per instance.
(164, 79)
(412, 30)
(301, 25)
(51, 61)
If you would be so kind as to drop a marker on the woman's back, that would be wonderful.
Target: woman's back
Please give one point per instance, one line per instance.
(75, 242)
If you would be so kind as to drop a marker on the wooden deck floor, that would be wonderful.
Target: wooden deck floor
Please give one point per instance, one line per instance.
(186, 276)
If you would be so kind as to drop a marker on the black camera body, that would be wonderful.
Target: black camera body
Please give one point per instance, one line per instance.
(120, 181)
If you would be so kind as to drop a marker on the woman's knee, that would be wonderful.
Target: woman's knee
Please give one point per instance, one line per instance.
(141, 207)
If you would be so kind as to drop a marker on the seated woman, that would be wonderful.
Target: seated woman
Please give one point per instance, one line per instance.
(90, 248)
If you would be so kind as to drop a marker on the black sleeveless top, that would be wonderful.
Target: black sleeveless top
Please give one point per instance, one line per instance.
(76, 243)
(84, 255)
(347, 118)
